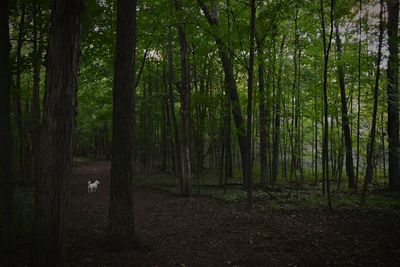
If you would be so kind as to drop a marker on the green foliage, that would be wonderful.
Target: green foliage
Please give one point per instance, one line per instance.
(155, 132)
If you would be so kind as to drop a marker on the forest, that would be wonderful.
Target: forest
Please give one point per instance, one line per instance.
(199, 133)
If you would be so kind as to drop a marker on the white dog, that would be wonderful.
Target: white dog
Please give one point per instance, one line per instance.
(92, 187)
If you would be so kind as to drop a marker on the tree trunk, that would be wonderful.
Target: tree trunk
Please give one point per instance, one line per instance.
(358, 98)
(227, 65)
(170, 79)
(277, 127)
(345, 116)
(327, 46)
(295, 145)
(393, 98)
(23, 170)
(7, 244)
(227, 136)
(249, 163)
(185, 106)
(371, 144)
(120, 228)
(263, 116)
(55, 164)
(35, 105)
(164, 144)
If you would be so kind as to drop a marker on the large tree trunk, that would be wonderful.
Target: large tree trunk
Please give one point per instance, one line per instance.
(186, 188)
(55, 164)
(6, 156)
(120, 228)
(393, 95)
(345, 116)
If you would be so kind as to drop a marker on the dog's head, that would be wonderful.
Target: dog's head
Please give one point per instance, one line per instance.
(89, 182)
(97, 182)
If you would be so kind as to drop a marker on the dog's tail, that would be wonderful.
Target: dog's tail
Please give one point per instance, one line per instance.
(89, 182)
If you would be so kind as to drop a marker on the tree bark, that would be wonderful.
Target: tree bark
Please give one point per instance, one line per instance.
(185, 106)
(55, 163)
(358, 98)
(277, 122)
(120, 228)
(35, 105)
(393, 98)
(371, 143)
(227, 65)
(7, 244)
(170, 80)
(325, 145)
(263, 116)
(345, 116)
(249, 163)
(22, 156)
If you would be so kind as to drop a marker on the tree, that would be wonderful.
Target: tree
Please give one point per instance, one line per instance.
(55, 163)
(327, 47)
(227, 65)
(277, 122)
(35, 105)
(345, 116)
(185, 105)
(170, 103)
(371, 143)
(249, 164)
(262, 115)
(359, 94)
(6, 139)
(393, 95)
(120, 227)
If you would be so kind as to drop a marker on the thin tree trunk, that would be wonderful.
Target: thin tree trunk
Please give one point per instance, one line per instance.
(358, 100)
(393, 98)
(277, 132)
(170, 79)
(168, 121)
(316, 141)
(185, 106)
(18, 112)
(249, 163)
(227, 136)
(164, 143)
(55, 164)
(120, 232)
(35, 106)
(227, 65)
(383, 147)
(263, 117)
(327, 46)
(295, 165)
(345, 116)
(371, 144)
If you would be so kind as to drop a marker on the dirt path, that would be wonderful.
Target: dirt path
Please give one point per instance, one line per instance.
(207, 232)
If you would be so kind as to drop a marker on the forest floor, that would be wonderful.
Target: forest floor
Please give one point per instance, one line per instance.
(205, 231)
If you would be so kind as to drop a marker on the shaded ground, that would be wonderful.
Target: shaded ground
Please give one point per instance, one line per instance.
(207, 232)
